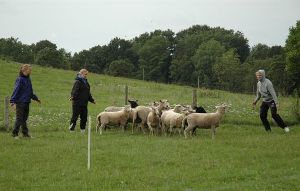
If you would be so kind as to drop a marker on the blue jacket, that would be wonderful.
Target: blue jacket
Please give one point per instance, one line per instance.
(23, 92)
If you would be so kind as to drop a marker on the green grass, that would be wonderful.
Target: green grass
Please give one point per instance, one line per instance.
(242, 157)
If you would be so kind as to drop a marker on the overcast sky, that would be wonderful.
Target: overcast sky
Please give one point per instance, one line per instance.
(81, 24)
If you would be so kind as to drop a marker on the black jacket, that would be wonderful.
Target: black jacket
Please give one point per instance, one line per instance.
(81, 92)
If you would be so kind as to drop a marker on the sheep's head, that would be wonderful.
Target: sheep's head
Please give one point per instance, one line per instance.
(222, 108)
(133, 103)
(164, 104)
(155, 104)
(179, 108)
(155, 111)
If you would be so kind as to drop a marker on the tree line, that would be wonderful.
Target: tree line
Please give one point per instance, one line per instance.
(211, 57)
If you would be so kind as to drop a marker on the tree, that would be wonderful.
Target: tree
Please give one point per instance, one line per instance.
(44, 44)
(14, 49)
(292, 48)
(51, 58)
(206, 56)
(154, 59)
(80, 59)
(120, 68)
(228, 72)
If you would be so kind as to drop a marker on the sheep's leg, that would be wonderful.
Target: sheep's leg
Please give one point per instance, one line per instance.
(133, 122)
(143, 127)
(171, 130)
(97, 127)
(213, 131)
(101, 127)
(122, 126)
(186, 131)
(150, 129)
(194, 132)
(163, 128)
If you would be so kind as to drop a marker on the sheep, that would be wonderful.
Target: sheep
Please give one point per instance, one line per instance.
(141, 113)
(204, 120)
(133, 104)
(116, 118)
(153, 120)
(173, 118)
(113, 109)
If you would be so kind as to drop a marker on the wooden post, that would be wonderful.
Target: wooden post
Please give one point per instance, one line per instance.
(198, 82)
(126, 94)
(6, 113)
(194, 103)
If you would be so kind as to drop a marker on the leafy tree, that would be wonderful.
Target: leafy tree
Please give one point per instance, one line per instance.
(206, 56)
(228, 72)
(80, 60)
(14, 49)
(292, 47)
(44, 44)
(154, 58)
(120, 68)
(51, 58)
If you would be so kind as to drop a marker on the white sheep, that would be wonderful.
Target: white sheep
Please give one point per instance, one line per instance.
(204, 120)
(153, 120)
(141, 113)
(115, 118)
(133, 104)
(173, 119)
(113, 108)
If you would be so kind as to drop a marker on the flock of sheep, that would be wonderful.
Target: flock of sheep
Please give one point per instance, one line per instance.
(160, 117)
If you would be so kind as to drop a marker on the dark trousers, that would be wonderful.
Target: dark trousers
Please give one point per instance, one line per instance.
(22, 112)
(264, 114)
(79, 110)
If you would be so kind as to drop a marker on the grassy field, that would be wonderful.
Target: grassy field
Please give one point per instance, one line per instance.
(242, 157)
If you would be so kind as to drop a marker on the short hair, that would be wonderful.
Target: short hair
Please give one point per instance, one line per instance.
(83, 71)
(24, 67)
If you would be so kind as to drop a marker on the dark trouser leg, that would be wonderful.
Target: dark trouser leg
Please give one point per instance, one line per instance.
(264, 114)
(83, 116)
(75, 114)
(22, 111)
(276, 116)
(24, 125)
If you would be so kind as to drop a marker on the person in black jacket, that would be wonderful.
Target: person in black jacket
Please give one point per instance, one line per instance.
(80, 96)
(21, 98)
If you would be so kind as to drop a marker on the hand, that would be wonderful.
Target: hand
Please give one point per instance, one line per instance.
(38, 101)
(94, 102)
(253, 105)
(13, 105)
(277, 106)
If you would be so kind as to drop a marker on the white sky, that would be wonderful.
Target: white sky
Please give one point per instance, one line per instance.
(81, 24)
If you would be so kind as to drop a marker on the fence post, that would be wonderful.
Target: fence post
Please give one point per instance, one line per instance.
(6, 113)
(126, 94)
(194, 103)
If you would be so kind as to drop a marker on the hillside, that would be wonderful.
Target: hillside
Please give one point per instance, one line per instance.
(53, 86)
(242, 157)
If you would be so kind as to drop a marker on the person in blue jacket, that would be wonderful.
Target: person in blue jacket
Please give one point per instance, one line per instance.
(21, 98)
